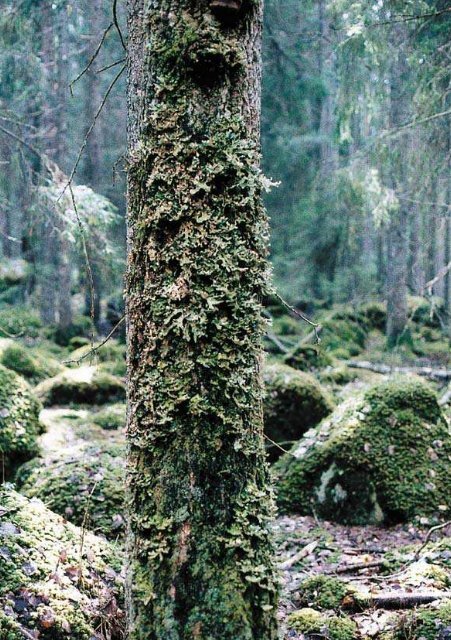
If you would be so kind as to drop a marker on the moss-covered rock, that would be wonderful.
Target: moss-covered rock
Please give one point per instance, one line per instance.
(384, 455)
(344, 330)
(312, 624)
(112, 417)
(19, 321)
(308, 357)
(294, 401)
(19, 421)
(85, 486)
(324, 592)
(338, 375)
(29, 363)
(425, 624)
(85, 385)
(57, 581)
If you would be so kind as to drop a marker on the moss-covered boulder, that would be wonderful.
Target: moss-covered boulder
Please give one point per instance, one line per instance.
(294, 401)
(308, 357)
(84, 385)
(111, 417)
(19, 421)
(313, 624)
(383, 456)
(29, 363)
(425, 624)
(86, 486)
(57, 581)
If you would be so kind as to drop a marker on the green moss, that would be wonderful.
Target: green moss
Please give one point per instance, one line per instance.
(339, 375)
(29, 363)
(58, 583)
(383, 455)
(111, 357)
(425, 624)
(84, 486)
(111, 417)
(344, 330)
(19, 321)
(92, 387)
(374, 315)
(81, 326)
(323, 592)
(78, 341)
(294, 401)
(313, 623)
(19, 421)
(308, 357)
(287, 326)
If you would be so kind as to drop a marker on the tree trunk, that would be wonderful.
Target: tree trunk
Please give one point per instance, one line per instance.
(199, 505)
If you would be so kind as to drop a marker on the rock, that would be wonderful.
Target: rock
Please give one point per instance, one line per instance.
(57, 581)
(371, 461)
(294, 401)
(19, 421)
(85, 385)
(85, 485)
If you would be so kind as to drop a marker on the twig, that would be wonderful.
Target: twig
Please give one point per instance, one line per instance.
(11, 335)
(359, 566)
(93, 57)
(427, 372)
(441, 274)
(116, 24)
(94, 350)
(300, 315)
(85, 141)
(428, 536)
(277, 445)
(305, 551)
(110, 66)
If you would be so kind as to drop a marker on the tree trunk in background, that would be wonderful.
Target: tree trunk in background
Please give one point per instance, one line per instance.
(397, 233)
(93, 157)
(200, 555)
(417, 273)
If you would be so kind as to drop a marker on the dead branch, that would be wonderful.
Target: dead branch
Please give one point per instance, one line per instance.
(359, 566)
(94, 350)
(303, 553)
(93, 57)
(441, 274)
(272, 336)
(394, 600)
(428, 536)
(426, 372)
(446, 397)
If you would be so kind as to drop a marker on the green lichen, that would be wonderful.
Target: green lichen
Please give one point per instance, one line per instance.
(313, 624)
(19, 421)
(383, 455)
(294, 401)
(91, 386)
(58, 582)
(85, 485)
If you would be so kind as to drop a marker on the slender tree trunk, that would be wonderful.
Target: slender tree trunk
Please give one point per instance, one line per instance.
(397, 234)
(199, 506)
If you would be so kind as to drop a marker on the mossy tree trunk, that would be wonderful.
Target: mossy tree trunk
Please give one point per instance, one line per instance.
(199, 504)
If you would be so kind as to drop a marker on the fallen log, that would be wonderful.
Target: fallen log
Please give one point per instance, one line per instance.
(393, 600)
(427, 372)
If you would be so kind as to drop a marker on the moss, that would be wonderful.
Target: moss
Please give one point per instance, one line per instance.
(425, 624)
(323, 592)
(287, 326)
(81, 326)
(58, 583)
(111, 357)
(308, 357)
(20, 321)
(19, 421)
(374, 315)
(85, 486)
(383, 455)
(111, 417)
(29, 363)
(78, 341)
(339, 375)
(313, 624)
(294, 401)
(92, 387)
(344, 330)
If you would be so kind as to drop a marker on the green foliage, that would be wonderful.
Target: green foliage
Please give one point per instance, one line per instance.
(19, 421)
(294, 401)
(53, 584)
(383, 455)
(86, 486)
(19, 321)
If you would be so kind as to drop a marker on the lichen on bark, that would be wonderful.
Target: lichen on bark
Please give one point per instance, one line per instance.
(198, 490)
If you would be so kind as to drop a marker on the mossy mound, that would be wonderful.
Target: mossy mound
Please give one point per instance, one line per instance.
(85, 385)
(57, 581)
(294, 401)
(426, 624)
(383, 456)
(19, 421)
(112, 417)
(19, 321)
(308, 357)
(313, 624)
(337, 375)
(80, 326)
(28, 363)
(111, 357)
(85, 486)
(374, 314)
(324, 592)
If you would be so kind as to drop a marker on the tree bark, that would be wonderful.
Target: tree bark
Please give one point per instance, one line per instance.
(200, 553)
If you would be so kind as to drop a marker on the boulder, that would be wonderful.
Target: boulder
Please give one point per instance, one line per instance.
(294, 401)
(85, 385)
(382, 456)
(85, 485)
(58, 582)
(19, 421)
